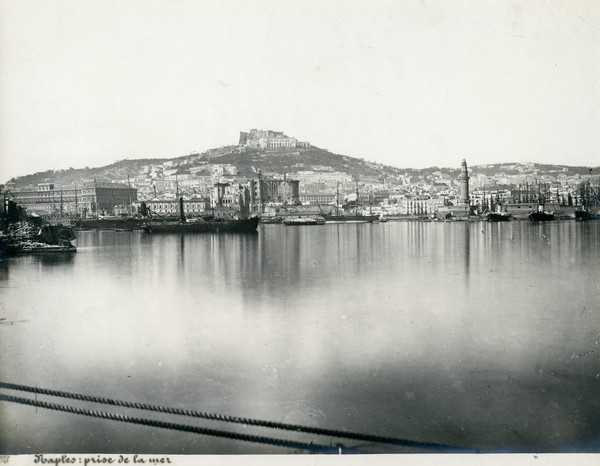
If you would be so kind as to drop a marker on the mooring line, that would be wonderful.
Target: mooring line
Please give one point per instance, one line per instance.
(175, 426)
(241, 420)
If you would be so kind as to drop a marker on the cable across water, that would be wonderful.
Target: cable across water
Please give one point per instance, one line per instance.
(236, 420)
(173, 426)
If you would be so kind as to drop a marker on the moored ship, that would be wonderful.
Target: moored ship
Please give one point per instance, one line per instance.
(109, 223)
(499, 217)
(341, 215)
(206, 224)
(541, 216)
(245, 225)
(585, 215)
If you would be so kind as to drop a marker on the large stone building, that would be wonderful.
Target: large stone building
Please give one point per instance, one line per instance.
(267, 139)
(269, 190)
(231, 200)
(95, 197)
(104, 197)
(420, 206)
(193, 207)
(48, 201)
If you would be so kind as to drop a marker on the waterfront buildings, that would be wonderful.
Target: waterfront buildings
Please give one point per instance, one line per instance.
(95, 197)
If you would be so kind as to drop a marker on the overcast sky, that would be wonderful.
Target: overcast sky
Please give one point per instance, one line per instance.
(407, 83)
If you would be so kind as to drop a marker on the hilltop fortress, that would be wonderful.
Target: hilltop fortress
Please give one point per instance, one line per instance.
(267, 139)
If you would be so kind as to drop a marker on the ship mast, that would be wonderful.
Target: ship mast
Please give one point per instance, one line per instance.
(96, 198)
(337, 199)
(130, 211)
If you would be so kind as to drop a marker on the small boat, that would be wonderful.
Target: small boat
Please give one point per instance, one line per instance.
(295, 221)
(541, 216)
(499, 217)
(42, 248)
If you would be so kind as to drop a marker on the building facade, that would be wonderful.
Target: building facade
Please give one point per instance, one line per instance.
(92, 198)
(193, 207)
(48, 201)
(268, 139)
(103, 197)
(230, 201)
(268, 190)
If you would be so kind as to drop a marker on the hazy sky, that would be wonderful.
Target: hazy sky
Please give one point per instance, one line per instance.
(407, 83)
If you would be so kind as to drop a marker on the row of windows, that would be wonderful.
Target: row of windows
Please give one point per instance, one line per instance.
(174, 206)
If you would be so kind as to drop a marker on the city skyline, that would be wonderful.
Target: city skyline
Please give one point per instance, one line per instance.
(408, 85)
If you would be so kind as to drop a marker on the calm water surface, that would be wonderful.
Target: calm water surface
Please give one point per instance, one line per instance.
(471, 334)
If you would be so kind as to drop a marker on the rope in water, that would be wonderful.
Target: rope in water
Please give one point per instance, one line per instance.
(239, 420)
(174, 426)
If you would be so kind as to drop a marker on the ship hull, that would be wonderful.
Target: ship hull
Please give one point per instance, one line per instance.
(498, 217)
(248, 225)
(350, 218)
(584, 216)
(109, 224)
(304, 221)
(541, 216)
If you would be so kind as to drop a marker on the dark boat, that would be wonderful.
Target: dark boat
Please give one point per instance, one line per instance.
(296, 221)
(585, 215)
(499, 217)
(541, 216)
(246, 225)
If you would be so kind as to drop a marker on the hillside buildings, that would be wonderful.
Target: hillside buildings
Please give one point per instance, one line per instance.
(308, 176)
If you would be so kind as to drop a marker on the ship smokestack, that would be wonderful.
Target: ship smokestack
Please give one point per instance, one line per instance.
(181, 213)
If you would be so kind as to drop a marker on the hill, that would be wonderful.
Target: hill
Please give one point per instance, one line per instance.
(247, 161)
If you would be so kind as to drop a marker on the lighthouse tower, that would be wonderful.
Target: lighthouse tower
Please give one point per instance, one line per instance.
(464, 184)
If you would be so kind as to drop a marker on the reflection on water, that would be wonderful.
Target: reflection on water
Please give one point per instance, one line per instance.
(475, 334)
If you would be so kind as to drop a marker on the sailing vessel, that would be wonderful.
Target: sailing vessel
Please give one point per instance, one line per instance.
(589, 198)
(347, 217)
